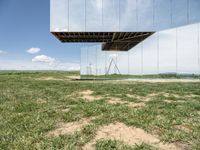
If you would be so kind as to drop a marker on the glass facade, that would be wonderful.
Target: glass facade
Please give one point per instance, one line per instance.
(174, 48)
(169, 51)
(126, 15)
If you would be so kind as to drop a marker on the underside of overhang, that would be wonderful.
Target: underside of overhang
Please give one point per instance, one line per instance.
(112, 41)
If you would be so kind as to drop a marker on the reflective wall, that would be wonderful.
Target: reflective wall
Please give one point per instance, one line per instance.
(175, 50)
(122, 15)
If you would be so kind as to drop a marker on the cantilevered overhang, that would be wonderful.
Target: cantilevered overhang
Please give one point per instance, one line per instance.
(116, 41)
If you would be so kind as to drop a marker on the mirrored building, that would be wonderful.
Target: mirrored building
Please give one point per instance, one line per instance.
(133, 37)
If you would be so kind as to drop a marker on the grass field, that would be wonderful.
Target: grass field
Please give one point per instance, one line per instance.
(49, 110)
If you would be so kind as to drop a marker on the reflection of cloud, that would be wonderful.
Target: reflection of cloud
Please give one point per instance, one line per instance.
(99, 5)
(33, 50)
(160, 53)
(94, 14)
(44, 59)
(113, 55)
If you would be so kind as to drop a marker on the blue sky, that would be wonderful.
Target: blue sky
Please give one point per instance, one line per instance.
(25, 24)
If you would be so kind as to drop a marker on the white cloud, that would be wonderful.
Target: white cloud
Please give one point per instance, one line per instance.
(33, 50)
(113, 55)
(28, 65)
(44, 59)
(2, 52)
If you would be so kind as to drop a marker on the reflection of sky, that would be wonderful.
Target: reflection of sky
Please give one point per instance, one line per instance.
(155, 54)
(126, 15)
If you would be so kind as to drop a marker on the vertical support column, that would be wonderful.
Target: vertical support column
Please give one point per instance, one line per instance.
(158, 53)
(154, 14)
(85, 15)
(199, 47)
(128, 63)
(119, 15)
(171, 14)
(87, 67)
(102, 15)
(96, 62)
(68, 16)
(105, 63)
(81, 60)
(176, 50)
(142, 58)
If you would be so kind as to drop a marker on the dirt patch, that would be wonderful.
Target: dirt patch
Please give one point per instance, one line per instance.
(143, 98)
(183, 128)
(73, 77)
(178, 96)
(174, 101)
(116, 101)
(49, 78)
(167, 95)
(198, 112)
(41, 101)
(87, 95)
(168, 101)
(69, 128)
(131, 104)
(66, 110)
(171, 95)
(127, 135)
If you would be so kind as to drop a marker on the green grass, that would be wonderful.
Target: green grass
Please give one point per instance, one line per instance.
(25, 121)
(160, 76)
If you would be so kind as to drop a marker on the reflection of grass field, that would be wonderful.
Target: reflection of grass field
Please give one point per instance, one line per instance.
(31, 107)
(161, 76)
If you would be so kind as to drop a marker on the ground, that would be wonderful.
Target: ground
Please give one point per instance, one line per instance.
(51, 110)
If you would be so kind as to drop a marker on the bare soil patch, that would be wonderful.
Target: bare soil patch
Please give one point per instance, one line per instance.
(49, 78)
(119, 101)
(198, 112)
(66, 110)
(143, 98)
(87, 95)
(167, 95)
(183, 128)
(41, 101)
(128, 135)
(73, 77)
(69, 128)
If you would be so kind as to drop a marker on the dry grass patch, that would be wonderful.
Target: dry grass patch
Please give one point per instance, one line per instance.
(69, 128)
(73, 77)
(167, 95)
(174, 101)
(183, 128)
(128, 135)
(143, 98)
(49, 79)
(179, 96)
(146, 98)
(198, 112)
(41, 101)
(87, 95)
(65, 110)
(131, 104)
(116, 101)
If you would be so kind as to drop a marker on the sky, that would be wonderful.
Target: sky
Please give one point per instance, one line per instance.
(26, 42)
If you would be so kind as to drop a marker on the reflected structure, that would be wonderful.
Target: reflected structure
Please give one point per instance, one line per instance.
(133, 37)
